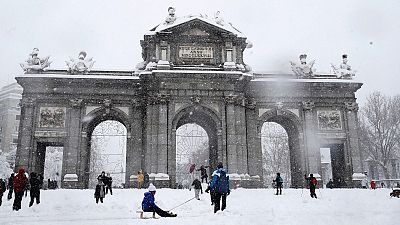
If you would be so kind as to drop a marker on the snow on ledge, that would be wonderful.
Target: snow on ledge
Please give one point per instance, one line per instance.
(159, 176)
(87, 76)
(70, 177)
(358, 176)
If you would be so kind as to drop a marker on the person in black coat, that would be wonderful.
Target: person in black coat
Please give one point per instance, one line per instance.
(279, 183)
(99, 192)
(35, 184)
(197, 188)
(10, 186)
(2, 190)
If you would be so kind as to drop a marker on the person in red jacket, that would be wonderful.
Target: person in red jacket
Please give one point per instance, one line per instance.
(312, 182)
(19, 183)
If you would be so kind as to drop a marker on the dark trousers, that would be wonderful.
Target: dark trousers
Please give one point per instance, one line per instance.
(312, 192)
(97, 200)
(18, 200)
(35, 194)
(10, 192)
(108, 187)
(159, 211)
(279, 189)
(204, 177)
(1, 198)
(217, 201)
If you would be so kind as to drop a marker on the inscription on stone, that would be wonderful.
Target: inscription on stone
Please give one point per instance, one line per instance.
(52, 117)
(195, 52)
(329, 120)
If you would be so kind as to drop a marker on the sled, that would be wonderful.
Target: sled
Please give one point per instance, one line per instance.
(395, 193)
(142, 214)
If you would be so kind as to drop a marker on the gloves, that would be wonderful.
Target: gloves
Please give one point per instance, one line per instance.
(207, 190)
(229, 192)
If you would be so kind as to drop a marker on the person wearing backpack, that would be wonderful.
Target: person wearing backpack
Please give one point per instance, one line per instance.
(312, 182)
(279, 181)
(220, 183)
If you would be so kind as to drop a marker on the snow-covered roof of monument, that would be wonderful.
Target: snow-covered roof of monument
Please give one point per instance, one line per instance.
(210, 20)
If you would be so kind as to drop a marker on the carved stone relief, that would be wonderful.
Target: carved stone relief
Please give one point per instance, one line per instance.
(329, 120)
(52, 117)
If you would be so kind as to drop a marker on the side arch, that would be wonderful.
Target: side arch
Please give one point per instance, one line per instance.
(89, 123)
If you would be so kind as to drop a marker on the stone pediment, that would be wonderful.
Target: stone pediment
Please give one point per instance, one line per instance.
(196, 26)
(195, 32)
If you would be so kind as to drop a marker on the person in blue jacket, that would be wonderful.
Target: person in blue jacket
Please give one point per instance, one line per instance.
(148, 204)
(220, 183)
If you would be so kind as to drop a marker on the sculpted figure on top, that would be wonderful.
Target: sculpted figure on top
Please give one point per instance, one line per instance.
(171, 16)
(81, 65)
(344, 70)
(304, 69)
(34, 63)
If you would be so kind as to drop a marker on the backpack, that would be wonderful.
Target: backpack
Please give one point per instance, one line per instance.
(314, 181)
(279, 180)
(222, 185)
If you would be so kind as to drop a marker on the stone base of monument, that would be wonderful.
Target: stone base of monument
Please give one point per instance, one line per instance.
(71, 182)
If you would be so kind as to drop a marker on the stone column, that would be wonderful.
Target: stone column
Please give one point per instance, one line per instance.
(162, 134)
(134, 150)
(254, 149)
(313, 155)
(71, 149)
(25, 136)
(240, 123)
(231, 139)
(351, 109)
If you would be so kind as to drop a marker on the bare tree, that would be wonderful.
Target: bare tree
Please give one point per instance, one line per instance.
(380, 126)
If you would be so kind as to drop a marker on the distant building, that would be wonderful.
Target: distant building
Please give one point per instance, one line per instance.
(10, 112)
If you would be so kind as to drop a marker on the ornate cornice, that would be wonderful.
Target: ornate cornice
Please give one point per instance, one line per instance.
(308, 105)
(27, 102)
(351, 106)
(158, 99)
(195, 99)
(75, 103)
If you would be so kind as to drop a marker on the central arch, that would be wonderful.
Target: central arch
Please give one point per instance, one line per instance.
(292, 125)
(205, 118)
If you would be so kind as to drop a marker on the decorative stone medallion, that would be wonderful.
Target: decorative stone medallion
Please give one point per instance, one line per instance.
(329, 120)
(52, 117)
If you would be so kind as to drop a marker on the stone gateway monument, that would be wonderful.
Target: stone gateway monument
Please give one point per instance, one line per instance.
(193, 71)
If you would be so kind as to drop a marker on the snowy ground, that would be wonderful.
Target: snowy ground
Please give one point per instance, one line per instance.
(244, 206)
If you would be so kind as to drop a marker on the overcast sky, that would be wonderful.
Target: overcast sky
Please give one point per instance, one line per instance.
(110, 31)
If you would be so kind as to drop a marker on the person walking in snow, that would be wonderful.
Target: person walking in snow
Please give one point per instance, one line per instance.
(279, 183)
(312, 182)
(34, 181)
(146, 179)
(197, 188)
(220, 182)
(108, 183)
(19, 183)
(203, 173)
(10, 186)
(99, 192)
(2, 190)
(149, 205)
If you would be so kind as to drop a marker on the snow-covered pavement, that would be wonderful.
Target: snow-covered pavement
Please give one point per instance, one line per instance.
(244, 206)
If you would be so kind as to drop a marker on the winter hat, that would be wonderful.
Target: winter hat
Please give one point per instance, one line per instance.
(152, 187)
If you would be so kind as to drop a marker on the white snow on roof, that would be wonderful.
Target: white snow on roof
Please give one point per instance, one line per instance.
(313, 80)
(180, 20)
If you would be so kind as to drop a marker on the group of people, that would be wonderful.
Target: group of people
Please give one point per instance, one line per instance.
(311, 181)
(104, 184)
(218, 188)
(19, 184)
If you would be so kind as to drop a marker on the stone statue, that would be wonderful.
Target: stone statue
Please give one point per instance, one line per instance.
(34, 63)
(344, 70)
(304, 70)
(218, 19)
(171, 16)
(81, 65)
